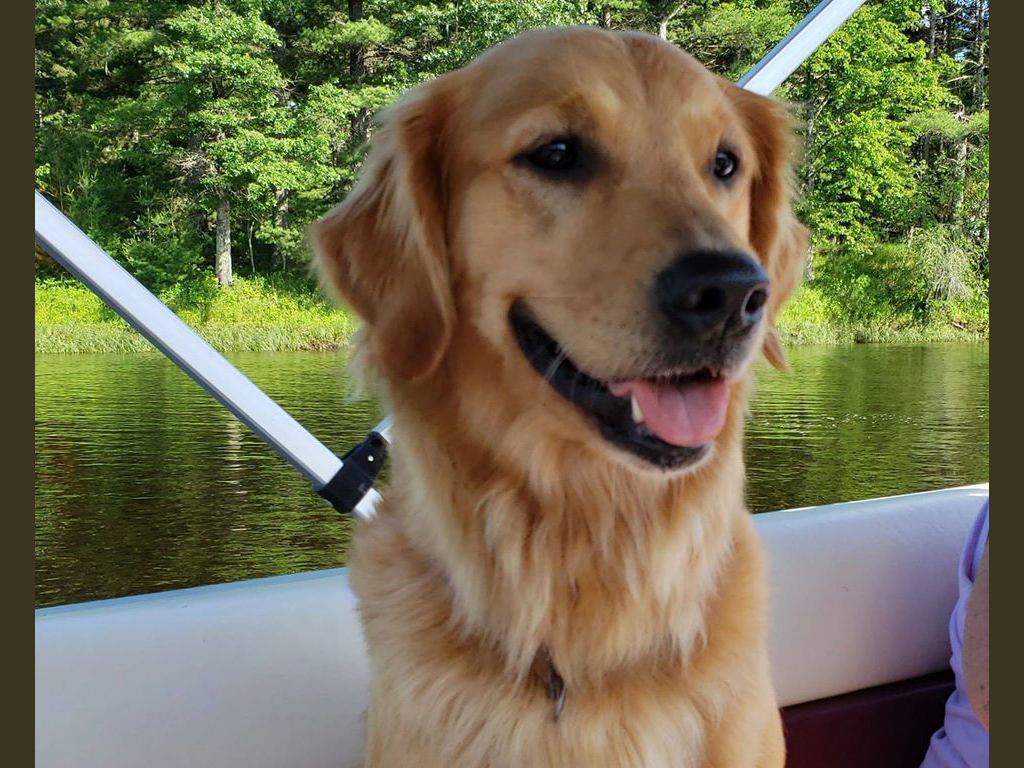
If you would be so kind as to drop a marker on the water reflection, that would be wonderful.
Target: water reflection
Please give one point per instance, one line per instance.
(862, 421)
(144, 483)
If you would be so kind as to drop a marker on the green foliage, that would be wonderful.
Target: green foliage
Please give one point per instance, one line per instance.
(810, 318)
(895, 181)
(814, 317)
(151, 114)
(278, 312)
(949, 126)
(734, 36)
(857, 91)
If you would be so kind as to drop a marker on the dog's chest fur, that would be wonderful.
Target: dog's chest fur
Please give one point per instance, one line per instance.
(667, 674)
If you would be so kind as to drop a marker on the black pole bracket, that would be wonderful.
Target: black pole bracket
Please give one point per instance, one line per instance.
(359, 470)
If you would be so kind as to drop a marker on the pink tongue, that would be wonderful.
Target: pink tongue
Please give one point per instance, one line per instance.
(692, 413)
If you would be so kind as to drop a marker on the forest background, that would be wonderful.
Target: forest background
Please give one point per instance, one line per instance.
(195, 142)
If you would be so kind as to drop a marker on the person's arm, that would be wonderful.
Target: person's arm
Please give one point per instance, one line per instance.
(975, 656)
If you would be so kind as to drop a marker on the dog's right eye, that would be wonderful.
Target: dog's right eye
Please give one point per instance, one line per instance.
(558, 155)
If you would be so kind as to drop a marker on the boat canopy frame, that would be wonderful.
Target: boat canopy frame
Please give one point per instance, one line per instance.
(346, 482)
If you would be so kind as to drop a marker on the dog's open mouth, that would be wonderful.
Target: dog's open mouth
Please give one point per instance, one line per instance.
(668, 420)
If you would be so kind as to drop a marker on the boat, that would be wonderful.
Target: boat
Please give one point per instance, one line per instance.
(274, 672)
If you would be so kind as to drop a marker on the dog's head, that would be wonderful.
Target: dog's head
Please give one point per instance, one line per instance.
(586, 222)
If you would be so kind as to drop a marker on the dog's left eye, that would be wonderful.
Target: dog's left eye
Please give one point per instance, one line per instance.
(725, 164)
(557, 155)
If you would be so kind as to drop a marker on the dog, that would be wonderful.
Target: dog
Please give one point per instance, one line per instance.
(567, 256)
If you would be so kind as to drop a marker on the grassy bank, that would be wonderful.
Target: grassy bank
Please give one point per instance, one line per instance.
(253, 314)
(287, 313)
(811, 317)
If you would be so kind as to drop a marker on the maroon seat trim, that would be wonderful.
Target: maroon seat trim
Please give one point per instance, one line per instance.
(884, 727)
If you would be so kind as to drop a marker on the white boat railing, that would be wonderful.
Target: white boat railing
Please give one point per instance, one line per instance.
(346, 484)
(69, 245)
(782, 60)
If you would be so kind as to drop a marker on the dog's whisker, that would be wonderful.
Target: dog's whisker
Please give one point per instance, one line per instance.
(559, 359)
(538, 353)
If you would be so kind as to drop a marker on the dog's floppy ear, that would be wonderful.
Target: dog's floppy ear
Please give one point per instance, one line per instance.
(779, 239)
(384, 248)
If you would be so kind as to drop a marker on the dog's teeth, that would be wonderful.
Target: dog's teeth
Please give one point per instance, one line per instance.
(638, 415)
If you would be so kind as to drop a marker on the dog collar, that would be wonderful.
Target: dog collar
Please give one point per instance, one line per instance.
(552, 680)
(556, 690)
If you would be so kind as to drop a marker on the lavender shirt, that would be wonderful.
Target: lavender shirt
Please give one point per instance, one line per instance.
(962, 742)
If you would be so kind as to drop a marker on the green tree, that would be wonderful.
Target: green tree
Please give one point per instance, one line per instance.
(165, 129)
(217, 113)
(90, 58)
(867, 185)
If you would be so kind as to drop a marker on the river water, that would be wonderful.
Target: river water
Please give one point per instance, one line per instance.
(144, 483)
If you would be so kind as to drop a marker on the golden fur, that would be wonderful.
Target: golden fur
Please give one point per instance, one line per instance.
(512, 532)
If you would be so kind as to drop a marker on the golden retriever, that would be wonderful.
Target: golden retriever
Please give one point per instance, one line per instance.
(567, 256)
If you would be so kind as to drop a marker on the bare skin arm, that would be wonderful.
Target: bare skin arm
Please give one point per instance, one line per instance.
(976, 643)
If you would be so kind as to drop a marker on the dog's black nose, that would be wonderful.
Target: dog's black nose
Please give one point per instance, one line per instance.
(712, 293)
